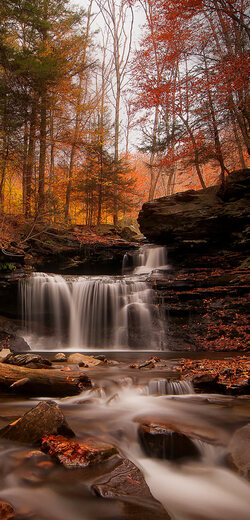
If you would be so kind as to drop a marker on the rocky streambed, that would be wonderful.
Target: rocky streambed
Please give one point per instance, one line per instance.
(134, 440)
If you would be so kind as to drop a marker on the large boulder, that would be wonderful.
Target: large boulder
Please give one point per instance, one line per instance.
(45, 419)
(124, 480)
(163, 443)
(126, 483)
(28, 360)
(200, 218)
(83, 360)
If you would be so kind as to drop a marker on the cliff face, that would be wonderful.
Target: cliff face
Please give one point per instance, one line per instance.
(206, 218)
(204, 294)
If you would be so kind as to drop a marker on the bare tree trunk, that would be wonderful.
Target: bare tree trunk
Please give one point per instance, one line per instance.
(42, 158)
(4, 154)
(196, 153)
(30, 156)
(25, 155)
(52, 165)
(217, 143)
(121, 34)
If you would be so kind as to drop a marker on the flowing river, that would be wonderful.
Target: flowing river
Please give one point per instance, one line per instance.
(203, 489)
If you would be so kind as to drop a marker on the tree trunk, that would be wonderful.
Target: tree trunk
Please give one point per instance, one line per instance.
(30, 157)
(5, 154)
(218, 149)
(42, 158)
(25, 159)
(196, 153)
(42, 382)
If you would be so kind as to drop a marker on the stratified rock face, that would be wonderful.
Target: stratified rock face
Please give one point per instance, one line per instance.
(206, 217)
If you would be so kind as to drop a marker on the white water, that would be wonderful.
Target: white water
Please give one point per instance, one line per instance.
(146, 260)
(191, 490)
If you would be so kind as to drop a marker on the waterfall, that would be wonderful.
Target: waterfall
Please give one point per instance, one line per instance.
(166, 387)
(95, 312)
(91, 312)
(147, 259)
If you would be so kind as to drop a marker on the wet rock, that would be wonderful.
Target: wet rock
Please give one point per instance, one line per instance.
(6, 511)
(126, 482)
(164, 443)
(101, 357)
(82, 360)
(207, 383)
(239, 450)
(12, 340)
(35, 467)
(4, 354)
(77, 454)
(46, 418)
(60, 357)
(35, 457)
(28, 360)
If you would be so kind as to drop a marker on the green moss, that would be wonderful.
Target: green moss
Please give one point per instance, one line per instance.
(7, 267)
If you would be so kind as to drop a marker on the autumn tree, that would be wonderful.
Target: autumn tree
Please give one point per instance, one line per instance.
(201, 90)
(39, 47)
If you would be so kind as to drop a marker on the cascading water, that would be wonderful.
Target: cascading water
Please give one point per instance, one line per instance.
(93, 312)
(189, 489)
(146, 259)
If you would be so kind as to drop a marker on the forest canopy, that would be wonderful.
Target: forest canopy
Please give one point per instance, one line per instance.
(93, 123)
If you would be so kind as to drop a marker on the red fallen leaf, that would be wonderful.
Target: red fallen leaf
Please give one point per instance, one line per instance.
(155, 358)
(73, 454)
(132, 480)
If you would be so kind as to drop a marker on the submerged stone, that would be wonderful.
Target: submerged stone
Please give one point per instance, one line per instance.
(6, 511)
(239, 450)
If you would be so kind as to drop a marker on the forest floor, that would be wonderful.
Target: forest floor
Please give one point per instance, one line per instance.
(27, 244)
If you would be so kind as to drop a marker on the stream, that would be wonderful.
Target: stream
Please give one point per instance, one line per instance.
(119, 314)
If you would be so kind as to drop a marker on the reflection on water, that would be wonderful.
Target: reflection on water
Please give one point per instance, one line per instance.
(192, 490)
